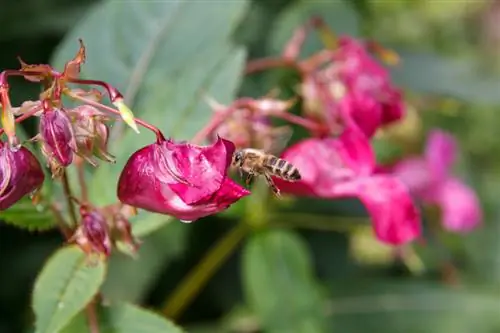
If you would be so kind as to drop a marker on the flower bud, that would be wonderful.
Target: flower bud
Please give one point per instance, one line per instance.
(126, 113)
(91, 133)
(20, 174)
(93, 234)
(57, 136)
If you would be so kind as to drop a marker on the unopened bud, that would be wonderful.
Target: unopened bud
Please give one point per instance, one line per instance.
(126, 114)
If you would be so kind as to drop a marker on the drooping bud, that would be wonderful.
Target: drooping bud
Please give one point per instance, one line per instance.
(124, 229)
(20, 174)
(91, 133)
(58, 139)
(93, 233)
(126, 114)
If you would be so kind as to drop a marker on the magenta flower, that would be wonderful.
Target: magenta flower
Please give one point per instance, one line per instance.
(430, 180)
(58, 137)
(343, 167)
(354, 90)
(20, 174)
(180, 179)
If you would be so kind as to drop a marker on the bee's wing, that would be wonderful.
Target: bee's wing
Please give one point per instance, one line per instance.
(279, 140)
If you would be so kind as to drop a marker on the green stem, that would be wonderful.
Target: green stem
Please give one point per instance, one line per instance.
(198, 277)
(68, 195)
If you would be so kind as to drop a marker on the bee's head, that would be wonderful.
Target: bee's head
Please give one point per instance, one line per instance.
(238, 158)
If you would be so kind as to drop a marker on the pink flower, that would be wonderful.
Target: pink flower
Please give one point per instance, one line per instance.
(429, 179)
(344, 167)
(20, 174)
(58, 137)
(354, 89)
(180, 179)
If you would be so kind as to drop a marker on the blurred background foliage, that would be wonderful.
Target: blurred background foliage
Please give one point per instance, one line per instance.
(318, 269)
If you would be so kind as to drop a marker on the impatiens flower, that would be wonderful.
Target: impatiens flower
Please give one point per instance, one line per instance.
(58, 139)
(180, 179)
(430, 180)
(20, 174)
(344, 167)
(93, 233)
(353, 89)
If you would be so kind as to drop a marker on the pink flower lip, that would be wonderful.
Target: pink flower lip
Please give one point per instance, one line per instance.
(344, 167)
(20, 174)
(180, 179)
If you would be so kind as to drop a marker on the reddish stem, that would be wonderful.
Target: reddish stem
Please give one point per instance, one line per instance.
(113, 93)
(14, 72)
(217, 119)
(308, 124)
(268, 63)
(24, 116)
(159, 135)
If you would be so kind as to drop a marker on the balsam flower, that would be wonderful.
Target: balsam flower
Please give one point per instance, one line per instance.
(430, 180)
(353, 90)
(180, 179)
(344, 167)
(20, 174)
(92, 236)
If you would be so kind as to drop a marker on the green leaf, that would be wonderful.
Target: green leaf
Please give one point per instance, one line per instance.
(24, 214)
(435, 74)
(64, 287)
(279, 283)
(125, 318)
(392, 306)
(340, 17)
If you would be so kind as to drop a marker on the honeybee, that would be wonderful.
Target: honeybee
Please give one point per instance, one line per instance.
(256, 162)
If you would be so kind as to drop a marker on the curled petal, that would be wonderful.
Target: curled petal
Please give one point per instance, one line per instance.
(205, 168)
(43, 70)
(440, 152)
(395, 218)
(460, 206)
(72, 67)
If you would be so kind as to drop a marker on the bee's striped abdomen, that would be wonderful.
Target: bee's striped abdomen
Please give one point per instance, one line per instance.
(283, 169)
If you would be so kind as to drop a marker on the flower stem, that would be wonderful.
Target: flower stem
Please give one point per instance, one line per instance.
(263, 64)
(80, 169)
(159, 135)
(201, 273)
(62, 225)
(301, 121)
(68, 195)
(92, 317)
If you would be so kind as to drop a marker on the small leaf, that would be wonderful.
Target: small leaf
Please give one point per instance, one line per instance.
(128, 318)
(64, 287)
(24, 214)
(125, 318)
(279, 283)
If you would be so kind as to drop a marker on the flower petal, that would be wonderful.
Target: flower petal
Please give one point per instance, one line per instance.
(204, 168)
(460, 206)
(325, 163)
(440, 152)
(395, 218)
(414, 172)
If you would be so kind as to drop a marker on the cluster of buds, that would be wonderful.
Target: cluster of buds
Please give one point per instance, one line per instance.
(346, 97)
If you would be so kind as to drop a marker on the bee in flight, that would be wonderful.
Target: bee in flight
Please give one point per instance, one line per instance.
(255, 162)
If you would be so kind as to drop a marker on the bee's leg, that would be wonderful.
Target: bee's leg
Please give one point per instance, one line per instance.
(271, 184)
(249, 178)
